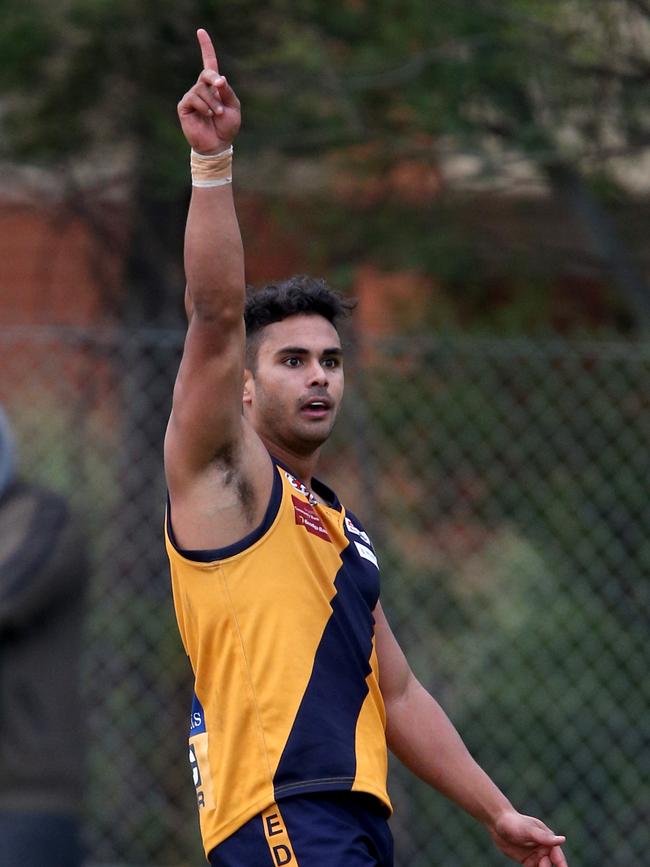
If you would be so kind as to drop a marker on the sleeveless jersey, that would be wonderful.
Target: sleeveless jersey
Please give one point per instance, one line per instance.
(280, 635)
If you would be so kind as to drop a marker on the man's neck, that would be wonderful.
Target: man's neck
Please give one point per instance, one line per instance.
(302, 467)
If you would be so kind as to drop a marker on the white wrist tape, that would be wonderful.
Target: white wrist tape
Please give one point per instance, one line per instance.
(211, 170)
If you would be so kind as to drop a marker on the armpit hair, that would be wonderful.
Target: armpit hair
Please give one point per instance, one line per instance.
(226, 462)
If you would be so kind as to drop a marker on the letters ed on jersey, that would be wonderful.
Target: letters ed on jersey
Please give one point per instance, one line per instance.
(277, 838)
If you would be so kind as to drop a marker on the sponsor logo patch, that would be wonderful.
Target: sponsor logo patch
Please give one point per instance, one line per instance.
(197, 717)
(356, 531)
(298, 485)
(367, 554)
(308, 517)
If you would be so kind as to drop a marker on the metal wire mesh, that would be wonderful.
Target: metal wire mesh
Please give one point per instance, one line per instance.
(506, 486)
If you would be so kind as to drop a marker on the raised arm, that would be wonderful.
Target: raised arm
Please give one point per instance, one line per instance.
(207, 442)
(207, 395)
(423, 738)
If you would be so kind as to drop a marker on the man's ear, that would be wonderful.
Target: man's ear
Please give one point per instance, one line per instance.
(249, 387)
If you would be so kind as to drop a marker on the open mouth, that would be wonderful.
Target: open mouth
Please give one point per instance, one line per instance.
(315, 408)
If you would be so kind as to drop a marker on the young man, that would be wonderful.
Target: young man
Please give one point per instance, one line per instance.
(300, 685)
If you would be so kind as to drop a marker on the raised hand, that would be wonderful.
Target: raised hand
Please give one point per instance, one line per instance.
(528, 841)
(209, 112)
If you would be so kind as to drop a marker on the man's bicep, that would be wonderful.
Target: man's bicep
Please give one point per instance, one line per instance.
(206, 413)
(394, 671)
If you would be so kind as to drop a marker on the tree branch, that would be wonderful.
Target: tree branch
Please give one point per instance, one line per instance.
(570, 186)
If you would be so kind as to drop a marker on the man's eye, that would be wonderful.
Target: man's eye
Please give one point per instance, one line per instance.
(331, 362)
(292, 362)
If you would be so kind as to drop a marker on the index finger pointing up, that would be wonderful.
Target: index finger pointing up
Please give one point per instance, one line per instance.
(207, 50)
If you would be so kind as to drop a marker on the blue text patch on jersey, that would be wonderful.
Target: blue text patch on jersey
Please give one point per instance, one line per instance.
(197, 718)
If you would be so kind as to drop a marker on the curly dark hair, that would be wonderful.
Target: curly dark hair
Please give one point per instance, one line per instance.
(278, 301)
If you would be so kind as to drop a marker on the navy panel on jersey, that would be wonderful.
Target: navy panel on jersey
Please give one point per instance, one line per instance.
(332, 703)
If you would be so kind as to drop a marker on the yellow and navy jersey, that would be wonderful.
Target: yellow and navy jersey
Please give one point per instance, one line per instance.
(279, 630)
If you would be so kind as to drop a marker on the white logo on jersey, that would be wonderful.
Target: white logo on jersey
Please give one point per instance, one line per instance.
(196, 776)
(357, 532)
(367, 554)
(293, 481)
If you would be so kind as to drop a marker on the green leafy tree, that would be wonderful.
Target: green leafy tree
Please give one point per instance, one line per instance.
(556, 83)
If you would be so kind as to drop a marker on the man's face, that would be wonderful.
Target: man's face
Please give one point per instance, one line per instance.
(293, 397)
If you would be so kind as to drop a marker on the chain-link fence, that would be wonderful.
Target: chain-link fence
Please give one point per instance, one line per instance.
(506, 486)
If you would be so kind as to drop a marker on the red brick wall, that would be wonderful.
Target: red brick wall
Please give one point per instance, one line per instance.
(53, 269)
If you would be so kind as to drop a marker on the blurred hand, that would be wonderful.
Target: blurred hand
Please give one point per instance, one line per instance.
(209, 112)
(528, 841)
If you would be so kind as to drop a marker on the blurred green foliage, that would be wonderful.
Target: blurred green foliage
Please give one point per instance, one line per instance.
(557, 83)
(314, 75)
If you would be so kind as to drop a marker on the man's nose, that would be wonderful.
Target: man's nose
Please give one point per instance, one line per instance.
(317, 374)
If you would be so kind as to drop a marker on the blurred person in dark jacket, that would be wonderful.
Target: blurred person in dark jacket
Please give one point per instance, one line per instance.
(43, 571)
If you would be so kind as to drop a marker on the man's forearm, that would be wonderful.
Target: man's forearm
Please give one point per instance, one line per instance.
(421, 735)
(214, 256)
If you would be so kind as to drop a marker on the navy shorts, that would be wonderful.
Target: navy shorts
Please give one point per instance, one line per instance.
(326, 829)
